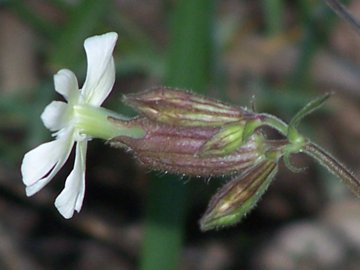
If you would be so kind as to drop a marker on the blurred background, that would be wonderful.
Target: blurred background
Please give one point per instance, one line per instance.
(282, 53)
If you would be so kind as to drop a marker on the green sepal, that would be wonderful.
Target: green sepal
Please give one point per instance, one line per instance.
(292, 134)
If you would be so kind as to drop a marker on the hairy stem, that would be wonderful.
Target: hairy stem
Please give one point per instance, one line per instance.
(274, 122)
(342, 11)
(334, 166)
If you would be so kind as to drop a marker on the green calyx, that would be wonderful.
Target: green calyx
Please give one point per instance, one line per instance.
(96, 122)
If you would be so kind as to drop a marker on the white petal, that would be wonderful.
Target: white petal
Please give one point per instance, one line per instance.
(41, 164)
(66, 84)
(100, 75)
(55, 115)
(72, 196)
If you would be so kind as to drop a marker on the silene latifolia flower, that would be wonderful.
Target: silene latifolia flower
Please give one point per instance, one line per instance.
(176, 131)
(75, 121)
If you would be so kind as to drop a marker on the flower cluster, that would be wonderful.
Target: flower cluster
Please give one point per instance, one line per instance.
(176, 131)
(194, 135)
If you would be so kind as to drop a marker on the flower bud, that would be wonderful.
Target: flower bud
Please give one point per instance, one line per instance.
(175, 149)
(238, 196)
(183, 108)
(228, 139)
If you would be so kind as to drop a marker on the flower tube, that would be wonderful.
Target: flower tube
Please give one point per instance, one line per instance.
(176, 149)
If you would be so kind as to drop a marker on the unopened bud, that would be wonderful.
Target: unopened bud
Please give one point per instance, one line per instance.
(175, 149)
(239, 196)
(183, 108)
(228, 139)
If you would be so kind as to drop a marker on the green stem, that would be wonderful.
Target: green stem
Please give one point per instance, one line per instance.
(274, 122)
(333, 166)
(344, 13)
(273, 10)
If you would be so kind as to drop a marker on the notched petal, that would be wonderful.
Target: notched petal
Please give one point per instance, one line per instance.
(40, 160)
(66, 84)
(41, 164)
(100, 70)
(55, 115)
(71, 197)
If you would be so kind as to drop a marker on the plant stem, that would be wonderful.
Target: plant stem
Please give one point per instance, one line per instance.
(273, 10)
(334, 166)
(274, 122)
(342, 11)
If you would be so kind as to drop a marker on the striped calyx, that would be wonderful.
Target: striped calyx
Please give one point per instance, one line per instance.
(238, 196)
(175, 149)
(183, 108)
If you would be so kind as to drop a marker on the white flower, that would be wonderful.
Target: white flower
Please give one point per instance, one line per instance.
(41, 164)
